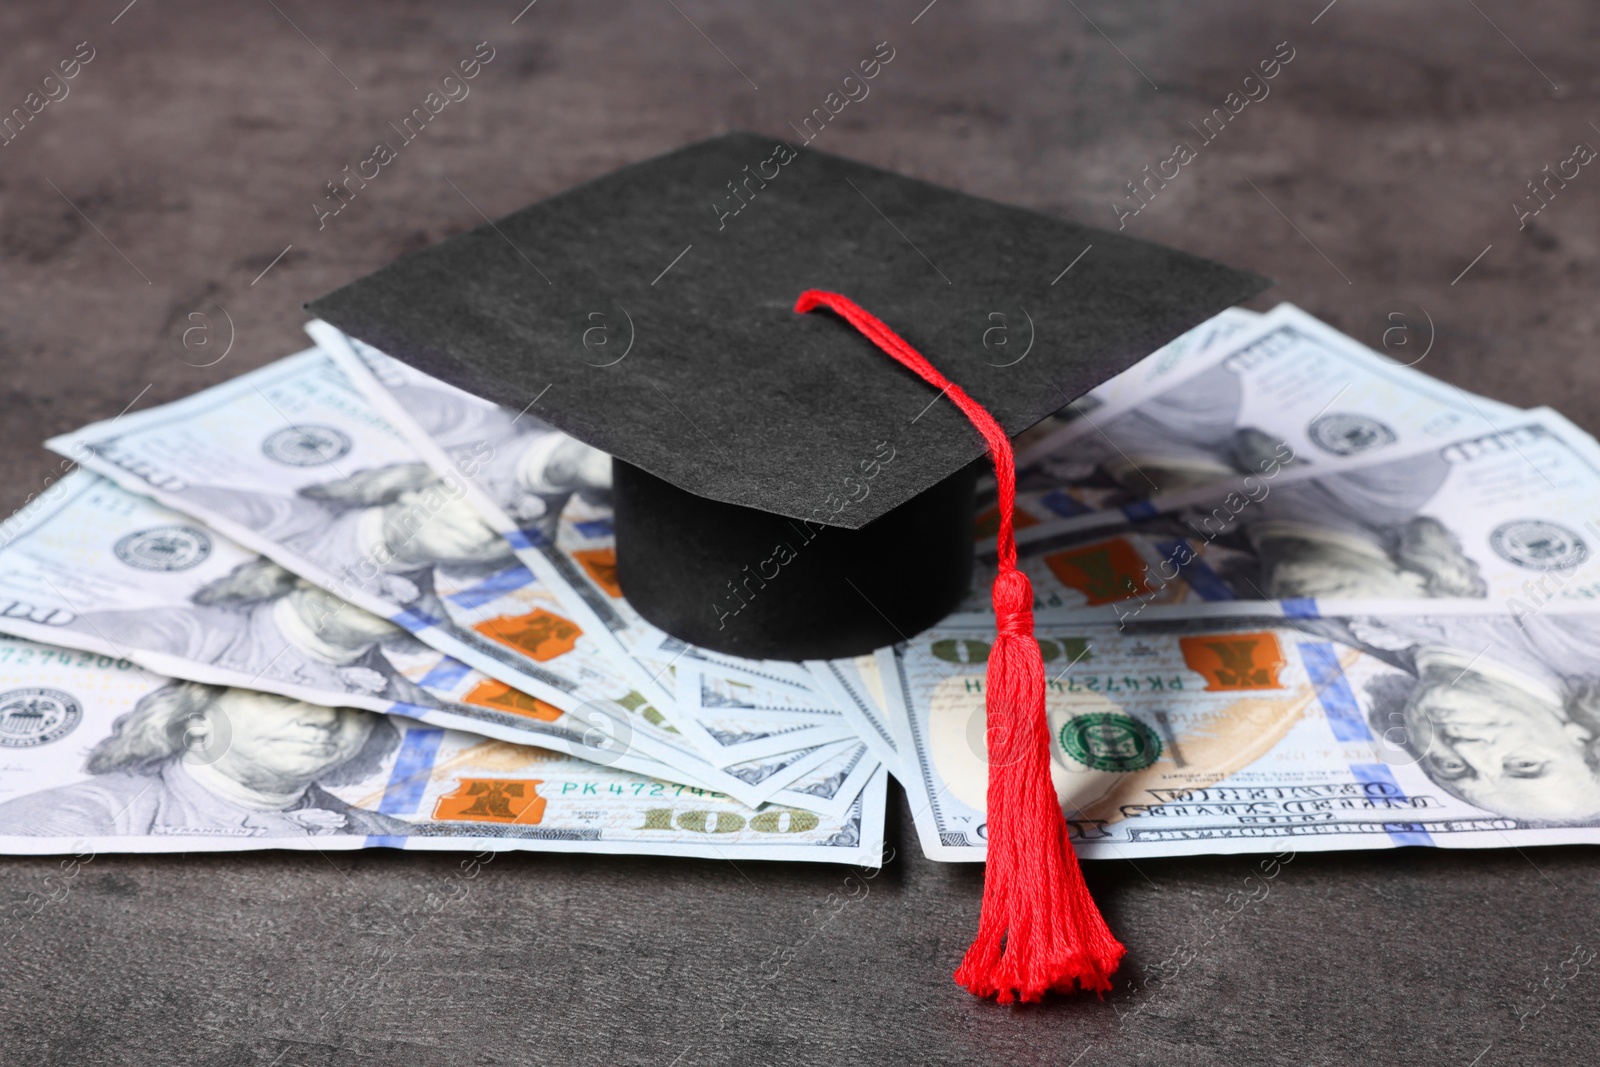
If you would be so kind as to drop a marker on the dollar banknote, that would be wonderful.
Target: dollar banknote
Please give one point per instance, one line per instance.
(855, 685)
(101, 755)
(1144, 378)
(544, 491)
(733, 722)
(1289, 390)
(832, 787)
(94, 567)
(290, 461)
(98, 568)
(1488, 517)
(666, 649)
(709, 690)
(1253, 734)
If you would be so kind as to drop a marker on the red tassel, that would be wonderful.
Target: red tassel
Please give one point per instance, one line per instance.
(1039, 930)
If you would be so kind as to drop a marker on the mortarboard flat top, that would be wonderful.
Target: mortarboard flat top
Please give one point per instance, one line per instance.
(691, 263)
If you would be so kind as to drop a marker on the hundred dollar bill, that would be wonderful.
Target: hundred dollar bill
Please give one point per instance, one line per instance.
(544, 491)
(97, 568)
(516, 471)
(713, 691)
(1144, 378)
(855, 685)
(1486, 517)
(1254, 734)
(664, 648)
(1289, 390)
(292, 462)
(731, 722)
(102, 756)
(832, 788)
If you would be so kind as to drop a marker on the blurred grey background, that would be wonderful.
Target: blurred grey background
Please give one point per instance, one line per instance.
(161, 216)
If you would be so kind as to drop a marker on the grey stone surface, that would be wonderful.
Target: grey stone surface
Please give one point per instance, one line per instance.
(196, 142)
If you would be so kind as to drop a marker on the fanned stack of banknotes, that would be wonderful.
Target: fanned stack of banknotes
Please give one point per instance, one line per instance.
(1290, 594)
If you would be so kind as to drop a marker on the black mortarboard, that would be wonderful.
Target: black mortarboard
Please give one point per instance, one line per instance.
(782, 489)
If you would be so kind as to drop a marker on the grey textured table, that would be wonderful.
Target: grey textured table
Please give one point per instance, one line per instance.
(177, 179)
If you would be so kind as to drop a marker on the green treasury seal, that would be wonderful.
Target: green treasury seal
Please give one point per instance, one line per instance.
(1110, 741)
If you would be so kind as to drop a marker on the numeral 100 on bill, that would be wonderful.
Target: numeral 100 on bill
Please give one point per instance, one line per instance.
(704, 821)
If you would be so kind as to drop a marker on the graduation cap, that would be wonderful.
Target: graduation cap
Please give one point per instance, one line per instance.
(782, 490)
